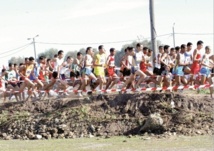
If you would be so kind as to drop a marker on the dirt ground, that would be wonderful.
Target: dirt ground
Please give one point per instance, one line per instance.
(108, 115)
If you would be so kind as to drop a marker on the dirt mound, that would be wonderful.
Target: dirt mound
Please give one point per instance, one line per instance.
(123, 114)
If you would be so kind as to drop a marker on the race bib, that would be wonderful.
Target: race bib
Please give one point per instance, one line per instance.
(102, 61)
(112, 63)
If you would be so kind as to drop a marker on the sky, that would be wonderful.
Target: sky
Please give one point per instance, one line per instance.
(83, 23)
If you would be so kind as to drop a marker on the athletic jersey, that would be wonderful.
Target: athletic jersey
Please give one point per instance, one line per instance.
(111, 61)
(100, 60)
(34, 73)
(182, 58)
(65, 68)
(89, 60)
(138, 57)
(167, 60)
(28, 70)
(11, 74)
(77, 67)
(129, 61)
(41, 71)
(58, 63)
(157, 65)
(149, 60)
(143, 66)
(188, 56)
(206, 61)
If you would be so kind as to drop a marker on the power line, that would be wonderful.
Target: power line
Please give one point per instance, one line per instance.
(8, 51)
(54, 43)
(110, 42)
(194, 33)
(17, 51)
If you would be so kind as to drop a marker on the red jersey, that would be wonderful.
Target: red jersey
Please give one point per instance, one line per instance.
(111, 61)
(143, 66)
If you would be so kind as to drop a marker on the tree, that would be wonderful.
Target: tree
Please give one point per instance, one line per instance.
(119, 54)
(72, 54)
(16, 60)
(49, 53)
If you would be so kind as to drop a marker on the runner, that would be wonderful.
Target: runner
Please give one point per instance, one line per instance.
(58, 68)
(138, 54)
(157, 61)
(12, 82)
(206, 66)
(134, 72)
(125, 69)
(25, 73)
(188, 56)
(195, 68)
(112, 76)
(2, 85)
(99, 66)
(87, 75)
(181, 63)
(211, 79)
(78, 66)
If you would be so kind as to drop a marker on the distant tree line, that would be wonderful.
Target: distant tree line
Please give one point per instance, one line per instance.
(52, 51)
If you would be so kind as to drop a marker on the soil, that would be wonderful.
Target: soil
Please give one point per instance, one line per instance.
(108, 115)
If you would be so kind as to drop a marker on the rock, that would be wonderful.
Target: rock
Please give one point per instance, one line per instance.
(38, 136)
(56, 120)
(62, 126)
(44, 135)
(147, 138)
(129, 136)
(81, 135)
(55, 135)
(4, 134)
(17, 137)
(54, 130)
(198, 132)
(90, 135)
(153, 122)
(49, 136)
(61, 136)
(30, 135)
(7, 138)
(92, 128)
(70, 134)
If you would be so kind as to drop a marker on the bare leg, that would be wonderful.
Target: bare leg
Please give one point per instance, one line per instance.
(211, 88)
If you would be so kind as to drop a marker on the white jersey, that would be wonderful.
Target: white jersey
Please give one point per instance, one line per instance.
(64, 69)
(188, 56)
(78, 62)
(182, 58)
(58, 63)
(138, 56)
(206, 61)
(89, 60)
(158, 65)
(149, 60)
(11, 75)
(129, 61)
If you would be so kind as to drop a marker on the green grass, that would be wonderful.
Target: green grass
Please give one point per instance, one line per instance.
(122, 143)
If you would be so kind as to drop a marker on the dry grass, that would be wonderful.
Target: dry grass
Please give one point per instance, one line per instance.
(122, 143)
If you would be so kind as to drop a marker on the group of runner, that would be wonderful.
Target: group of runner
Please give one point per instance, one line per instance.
(170, 67)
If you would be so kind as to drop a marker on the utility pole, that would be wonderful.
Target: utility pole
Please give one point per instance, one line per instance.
(173, 34)
(34, 46)
(153, 31)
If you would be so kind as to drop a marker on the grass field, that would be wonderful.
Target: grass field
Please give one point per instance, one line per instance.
(138, 143)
